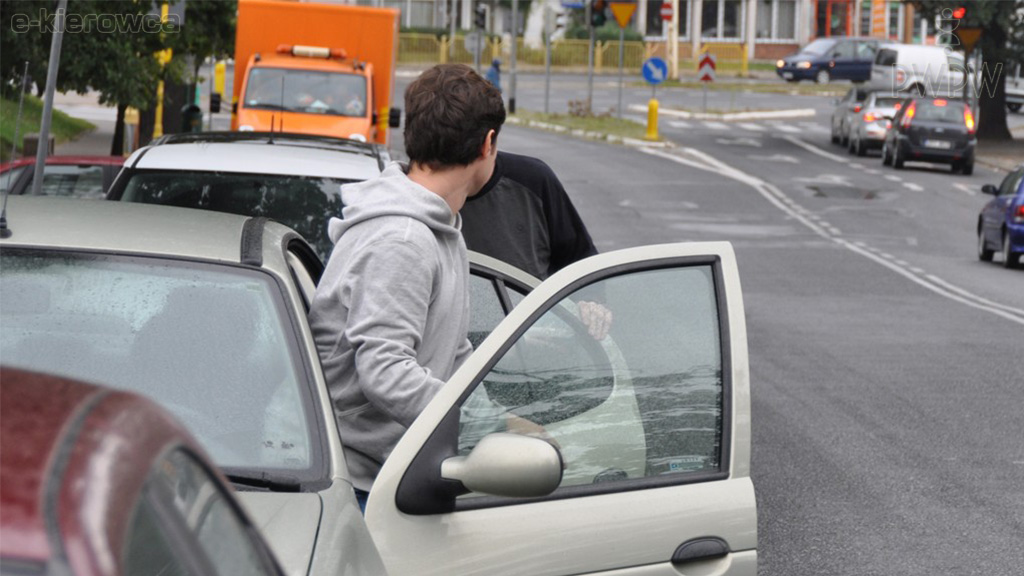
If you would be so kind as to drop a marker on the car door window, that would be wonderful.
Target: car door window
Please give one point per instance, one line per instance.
(1011, 183)
(843, 50)
(487, 310)
(202, 506)
(866, 50)
(644, 403)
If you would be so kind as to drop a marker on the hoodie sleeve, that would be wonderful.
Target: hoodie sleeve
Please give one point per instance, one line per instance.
(388, 288)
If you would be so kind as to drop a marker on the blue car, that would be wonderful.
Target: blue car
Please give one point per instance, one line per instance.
(1001, 222)
(828, 59)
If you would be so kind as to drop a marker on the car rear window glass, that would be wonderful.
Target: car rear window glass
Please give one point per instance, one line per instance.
(951, 112)
(887, 102)
(210, 343)
(886, 57)
(304, 204)
(78, 181)
(9, 178)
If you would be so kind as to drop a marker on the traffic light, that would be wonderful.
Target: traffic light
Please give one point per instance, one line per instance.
(597, 16)
(480, 16)
(214, 102)
(959, 13)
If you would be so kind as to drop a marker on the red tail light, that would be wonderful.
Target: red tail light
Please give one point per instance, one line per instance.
(857, 108)
(968, 120)
(909, 115)
(870, 117)
(940, 103)
(900, 77)
(898, 106)
(1018, 215)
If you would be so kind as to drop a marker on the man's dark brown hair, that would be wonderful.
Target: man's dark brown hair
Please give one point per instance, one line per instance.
(448, 111)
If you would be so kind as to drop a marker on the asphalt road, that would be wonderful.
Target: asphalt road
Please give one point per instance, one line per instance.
(885, 357)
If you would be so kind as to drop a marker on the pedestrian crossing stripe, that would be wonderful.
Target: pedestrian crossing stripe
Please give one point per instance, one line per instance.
(751, 127)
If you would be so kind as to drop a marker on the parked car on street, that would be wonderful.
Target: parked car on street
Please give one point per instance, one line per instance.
(867, 128)
(65, 176)
(932, 130)
(845, 109)
(1001, 221)
(293, 178)
(101, 482)
(918, 69)
(827, 59)
(205, 312)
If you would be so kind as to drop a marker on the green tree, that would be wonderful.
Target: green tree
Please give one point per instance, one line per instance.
(20, 44)
(208, 31)
(1001, 45)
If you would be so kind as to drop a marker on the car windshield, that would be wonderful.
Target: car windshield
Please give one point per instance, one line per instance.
(304, 204)
(306, 91)
(819, 46)
(210, 343)
(947, 113)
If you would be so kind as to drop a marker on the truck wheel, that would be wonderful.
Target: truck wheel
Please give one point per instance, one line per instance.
(822, 77)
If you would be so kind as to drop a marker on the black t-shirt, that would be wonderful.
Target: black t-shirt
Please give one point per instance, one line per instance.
(524, 217)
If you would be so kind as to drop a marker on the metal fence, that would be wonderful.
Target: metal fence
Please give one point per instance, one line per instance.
(419, 48)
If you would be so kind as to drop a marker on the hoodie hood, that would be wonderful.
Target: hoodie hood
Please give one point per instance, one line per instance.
(393, 194)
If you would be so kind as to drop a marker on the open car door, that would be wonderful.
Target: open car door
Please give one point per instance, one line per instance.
(651, 474)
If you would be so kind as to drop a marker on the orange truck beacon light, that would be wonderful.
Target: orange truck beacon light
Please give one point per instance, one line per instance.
(315, 68)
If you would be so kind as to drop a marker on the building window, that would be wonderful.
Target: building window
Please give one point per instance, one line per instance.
(658, 27)
(835, 17)
(722, 19)
(776, 19)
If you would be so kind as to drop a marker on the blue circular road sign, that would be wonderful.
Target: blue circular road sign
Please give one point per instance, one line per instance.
(655, 70)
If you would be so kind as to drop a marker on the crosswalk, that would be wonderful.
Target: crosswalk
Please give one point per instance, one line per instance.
(763, 127)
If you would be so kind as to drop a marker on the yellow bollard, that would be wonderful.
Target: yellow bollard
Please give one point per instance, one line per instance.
(219, 72)
(652, 119)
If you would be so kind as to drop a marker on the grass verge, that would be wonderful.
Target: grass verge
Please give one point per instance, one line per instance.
(62, 126)
(600, 123)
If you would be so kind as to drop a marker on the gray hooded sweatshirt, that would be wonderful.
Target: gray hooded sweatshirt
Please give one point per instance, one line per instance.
(391, 313)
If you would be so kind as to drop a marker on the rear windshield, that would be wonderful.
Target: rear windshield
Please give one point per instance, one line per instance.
(949, 112)
(304, 204)
(888, 102)
(886, 57)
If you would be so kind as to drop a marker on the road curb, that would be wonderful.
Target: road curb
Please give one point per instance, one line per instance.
(588, 134)
(732, 116)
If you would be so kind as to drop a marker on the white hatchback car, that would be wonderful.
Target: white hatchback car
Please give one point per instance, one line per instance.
(207, 313)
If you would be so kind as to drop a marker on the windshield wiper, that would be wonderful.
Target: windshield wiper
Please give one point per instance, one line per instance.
(264, 480)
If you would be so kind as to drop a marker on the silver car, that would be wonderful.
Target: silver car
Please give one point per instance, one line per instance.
(845, 108)
(208, 311)
(867, 128)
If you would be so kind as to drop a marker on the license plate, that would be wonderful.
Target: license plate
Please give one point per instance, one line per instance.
(940, 144)
(787, 75)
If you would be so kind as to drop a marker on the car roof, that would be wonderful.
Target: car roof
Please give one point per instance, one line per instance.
(258, 153)
(128, 227)
(58, 435)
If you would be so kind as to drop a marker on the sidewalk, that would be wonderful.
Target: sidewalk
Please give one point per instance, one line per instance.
(87, 107)
(1005, 156)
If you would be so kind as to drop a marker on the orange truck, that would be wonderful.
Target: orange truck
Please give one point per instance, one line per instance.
(315, 68)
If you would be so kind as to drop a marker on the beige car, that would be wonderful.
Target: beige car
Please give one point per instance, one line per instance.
(643, 465)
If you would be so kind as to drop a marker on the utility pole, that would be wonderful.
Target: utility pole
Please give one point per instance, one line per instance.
(512, 57)
(43, 147)
(590, 55)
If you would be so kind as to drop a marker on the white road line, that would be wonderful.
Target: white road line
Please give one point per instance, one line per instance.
(914, 187)
(787, 128)
(893, 178)
(815, 150)
(716, 125)
(814, 126)
(965, 189)
(679, 124)
(872, 171)
(774, 195)
(750, 126)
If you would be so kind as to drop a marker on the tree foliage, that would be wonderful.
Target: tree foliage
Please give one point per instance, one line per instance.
(1001, 46)
(208, 31)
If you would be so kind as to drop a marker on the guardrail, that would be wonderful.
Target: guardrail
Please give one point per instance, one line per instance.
(420, 48)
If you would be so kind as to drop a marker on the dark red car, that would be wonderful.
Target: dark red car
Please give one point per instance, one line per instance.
(74, 176)
(100, 482)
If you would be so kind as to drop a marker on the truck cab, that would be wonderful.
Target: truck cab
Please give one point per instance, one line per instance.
(309, 90)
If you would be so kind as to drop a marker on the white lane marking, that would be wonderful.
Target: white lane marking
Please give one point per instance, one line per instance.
(753, 142)
(679, 124)
(716, 125)
(774, 196)
(751, 126)
(893, 178)
(872, 171)
(775, 158)
(857, 166)
(814, 126)
(787, 128)
(965, 189)
(914, 187)
(815, 150)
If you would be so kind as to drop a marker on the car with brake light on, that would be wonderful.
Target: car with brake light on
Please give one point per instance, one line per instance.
(205, 313)
(295, 179)
(63, 176)
(827, 59)
(937, 130)
(1001, 221)
(867, 128)
(845, 109)
(79, 498)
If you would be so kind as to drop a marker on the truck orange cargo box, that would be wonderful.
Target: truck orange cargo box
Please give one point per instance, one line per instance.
(315, 68)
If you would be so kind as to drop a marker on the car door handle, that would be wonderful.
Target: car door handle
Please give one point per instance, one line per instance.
(704, 548)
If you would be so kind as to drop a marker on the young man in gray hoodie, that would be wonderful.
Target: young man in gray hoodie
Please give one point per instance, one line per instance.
(391, 313)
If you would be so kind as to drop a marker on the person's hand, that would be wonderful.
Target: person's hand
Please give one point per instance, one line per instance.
(596, 318)
(524, 427)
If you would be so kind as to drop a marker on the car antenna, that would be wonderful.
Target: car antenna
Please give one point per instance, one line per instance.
(5, 232)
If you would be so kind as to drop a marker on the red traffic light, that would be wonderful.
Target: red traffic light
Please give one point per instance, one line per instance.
(960, 12)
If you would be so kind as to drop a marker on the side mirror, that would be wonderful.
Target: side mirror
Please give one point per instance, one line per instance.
(990, 189)
(394, 117)
(505, 464)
